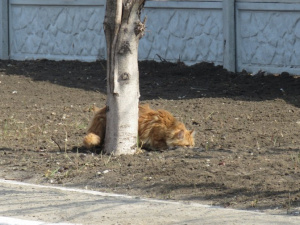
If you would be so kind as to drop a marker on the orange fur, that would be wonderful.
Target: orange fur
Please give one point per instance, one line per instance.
(91, 140)
(158, 130)
(96, 130)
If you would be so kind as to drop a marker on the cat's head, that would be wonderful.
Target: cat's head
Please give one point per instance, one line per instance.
(181, 138)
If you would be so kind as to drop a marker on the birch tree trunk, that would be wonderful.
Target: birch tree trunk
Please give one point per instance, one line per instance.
(123, 30)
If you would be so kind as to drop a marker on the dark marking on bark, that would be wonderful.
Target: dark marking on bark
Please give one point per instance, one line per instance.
(125, 48)
(125, 76)
(141, 7)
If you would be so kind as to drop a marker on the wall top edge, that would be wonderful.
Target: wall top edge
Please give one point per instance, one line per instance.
(269, 1)
(184, 4)
(267, 6)
(149, 3)
(58, 2)
(258, 1)
(184, 1)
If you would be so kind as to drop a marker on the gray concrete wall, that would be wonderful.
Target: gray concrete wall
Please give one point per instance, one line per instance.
(238, 34)
(189, 31)
(56, 29)
(268, 37)
(4, 30)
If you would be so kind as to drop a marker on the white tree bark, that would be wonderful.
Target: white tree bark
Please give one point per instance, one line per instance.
(123, 29)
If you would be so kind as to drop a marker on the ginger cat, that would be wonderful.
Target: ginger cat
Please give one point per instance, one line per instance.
(158, 130)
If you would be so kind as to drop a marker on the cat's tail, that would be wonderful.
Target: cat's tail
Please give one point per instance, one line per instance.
(91, 140)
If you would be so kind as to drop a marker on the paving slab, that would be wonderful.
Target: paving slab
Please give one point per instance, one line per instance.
(40, 204)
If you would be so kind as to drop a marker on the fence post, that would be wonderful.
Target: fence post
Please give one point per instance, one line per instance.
(229, 61)
(4, 29)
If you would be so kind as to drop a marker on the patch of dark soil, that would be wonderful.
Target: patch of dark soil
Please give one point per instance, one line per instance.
(247, 152)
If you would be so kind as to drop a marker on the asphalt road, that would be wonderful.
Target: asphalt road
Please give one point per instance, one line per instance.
(22, 203)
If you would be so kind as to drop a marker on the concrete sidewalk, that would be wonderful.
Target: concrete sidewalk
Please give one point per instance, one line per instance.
(47, 205)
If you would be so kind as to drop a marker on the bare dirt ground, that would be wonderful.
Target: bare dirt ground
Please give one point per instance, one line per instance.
(247, 152)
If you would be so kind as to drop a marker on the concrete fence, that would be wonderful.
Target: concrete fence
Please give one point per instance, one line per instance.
(238, 34)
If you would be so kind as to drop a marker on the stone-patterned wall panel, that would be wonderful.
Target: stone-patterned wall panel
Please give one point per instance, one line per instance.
(268, 39)
(191, 35)
(58, 32)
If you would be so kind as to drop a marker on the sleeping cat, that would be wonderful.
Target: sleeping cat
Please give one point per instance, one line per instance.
(158, 130)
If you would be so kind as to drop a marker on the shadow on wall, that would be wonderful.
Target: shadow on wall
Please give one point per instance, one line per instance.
(165, 80)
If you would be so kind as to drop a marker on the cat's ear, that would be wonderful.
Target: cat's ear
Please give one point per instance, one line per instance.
(180, 134)
(192, 132)
(94, 109)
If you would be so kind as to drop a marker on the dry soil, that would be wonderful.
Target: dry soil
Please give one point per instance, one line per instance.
(247, 152)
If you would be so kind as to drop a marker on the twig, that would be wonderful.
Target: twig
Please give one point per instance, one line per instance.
(56, 144)
(161, 58)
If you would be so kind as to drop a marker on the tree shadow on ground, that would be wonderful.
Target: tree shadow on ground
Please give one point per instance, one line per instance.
(165, 80)
(228, 196)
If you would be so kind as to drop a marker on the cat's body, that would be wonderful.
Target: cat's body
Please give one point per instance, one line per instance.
(158, 130)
